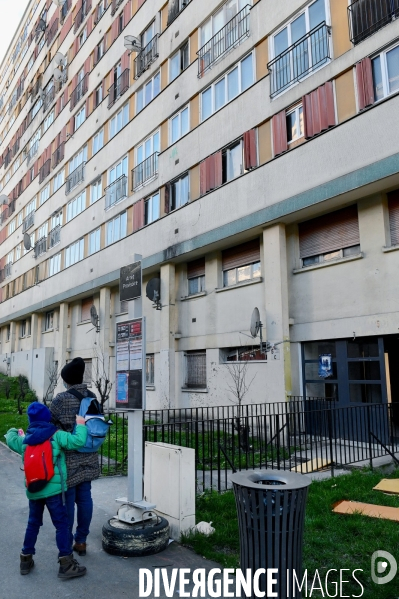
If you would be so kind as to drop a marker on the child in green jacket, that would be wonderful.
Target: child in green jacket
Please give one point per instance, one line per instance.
(39, 430)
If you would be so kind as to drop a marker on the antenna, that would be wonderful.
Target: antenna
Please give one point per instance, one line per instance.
(3, 200)
(27, 243)
(94, 318)
(132, 43)
(153, 292)
(60, 60)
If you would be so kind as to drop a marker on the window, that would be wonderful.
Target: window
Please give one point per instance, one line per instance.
(179, 192)
(94, 242)
(25, 328)
(121, 307)
(231, 85)
(44, 194)
(385, 68)
(87, 375)
(82, 37)
(18, 252)
(49, 321)
(148, 92)
(43, 230)
(78, 159)
(149, 369)
(295, 123)
(98, 141)
(119, 120)
(151, 209)
(96, 191)
(232, 162)
(54, 264)
(10, 257)
(8, 329)
(179, 125)
(36, 107)
(195, 370)
(147, 148)
(11, 226)
(241, 263)
(179, 61)
(98, 96)
(74, 253)
(242, 354)
(48, 121)
(59, 180)
(218, 20)
(56, 219)
(329, 237)
(76, 206)
(116, 228)
(119, 169)
(196, 276)
(85, 309)
(80, 117)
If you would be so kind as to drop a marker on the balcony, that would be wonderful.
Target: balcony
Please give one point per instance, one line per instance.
(45, 170)
(146, 57)
(15, 148)
(145, 171)
(40, 247)
(32, 151)
(80, 17)
(48, 98)
(115, 5)
(79, 91)
(226, 38)
(28, 221)
(368, 16)
(7, 158)
(20, 89)
(65, 9)
(11, 208)
(116, 191)
(54, 236)
(118, 88)
(7, 270)
(58, 155)
(76, 177)
(307, 54)
(175, 9)
(100, 12)
(51, 32)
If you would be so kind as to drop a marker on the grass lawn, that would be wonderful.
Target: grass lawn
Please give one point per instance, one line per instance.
(331, 540)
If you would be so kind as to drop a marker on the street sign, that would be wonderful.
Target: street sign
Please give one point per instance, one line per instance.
(130, 281)
(130, 361)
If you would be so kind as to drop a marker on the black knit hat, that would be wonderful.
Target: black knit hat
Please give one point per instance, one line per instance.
(72, 373)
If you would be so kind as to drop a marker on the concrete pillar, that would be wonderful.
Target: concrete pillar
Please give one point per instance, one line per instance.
(277, 309)
(61, 354)
(167, 342)
(34, 327)
(13, 334)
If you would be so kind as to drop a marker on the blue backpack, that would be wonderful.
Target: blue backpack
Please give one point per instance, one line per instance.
(97, 427)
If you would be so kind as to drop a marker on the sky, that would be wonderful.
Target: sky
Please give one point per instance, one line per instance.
(11, 11)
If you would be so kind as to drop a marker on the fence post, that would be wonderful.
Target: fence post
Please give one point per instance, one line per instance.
(330, 439)
(369, 427)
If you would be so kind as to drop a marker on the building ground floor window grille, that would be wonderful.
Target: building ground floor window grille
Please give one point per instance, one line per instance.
(87, 376)
(149, 370)
(195, 370)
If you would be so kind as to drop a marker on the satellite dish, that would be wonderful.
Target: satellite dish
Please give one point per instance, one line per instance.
(132, 43)
(153, 289)
(59, 59)
(27, 243)
(3, 199)
(255, 323)
(93, 316)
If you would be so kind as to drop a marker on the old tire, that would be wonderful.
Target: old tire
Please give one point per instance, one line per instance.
(120, 538)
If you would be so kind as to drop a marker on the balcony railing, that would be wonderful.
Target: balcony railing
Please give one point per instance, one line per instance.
(80, 17)
(20, 89)
(45, 170)
(59, 154)
(50, 33)
(226, 38)
(79, 91)
(65, 9)
(15, 148)
(100, 12)
(48, 98)
(32, 152)
(116, 191)
(28, 221)
(11, 207)
(12, 103)
(115, 5)
(40, 247)
(146, 57)
(308, 53)
(7, 270)
(7, 158)
(368, 16)
(175, 9)
(76, 177)
(118, 88)
(54, 236)
(145, 171)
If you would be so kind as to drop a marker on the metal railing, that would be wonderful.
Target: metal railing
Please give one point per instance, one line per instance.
(115, 5)
(28, 221)
(116, 191)
(120, 86)
(7, 270)
(100, 12)
(368, 16)
(145, 171)
(65, 9)
(11, 207)
(54, 236)
(32, 152)
(76, 177)
(226, 38)
(59, 154)
(20, 89)
(12, 102)
(146, 57)
(7, 158)
(175, 9)
(80, 17)
(79, 91)
(308, 53)
(15, 147)
(40, 247)
(45, 170)
(50, 32)
(48, 98)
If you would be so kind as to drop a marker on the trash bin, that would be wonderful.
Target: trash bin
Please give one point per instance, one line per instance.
(271, 513)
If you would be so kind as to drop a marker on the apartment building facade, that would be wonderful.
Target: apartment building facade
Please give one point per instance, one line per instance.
(247, 151)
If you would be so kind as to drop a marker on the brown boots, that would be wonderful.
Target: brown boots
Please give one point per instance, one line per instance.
(80, 548)
(26, 564)
(69, 567)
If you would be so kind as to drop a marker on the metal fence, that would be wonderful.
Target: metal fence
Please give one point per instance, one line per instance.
(368, 16)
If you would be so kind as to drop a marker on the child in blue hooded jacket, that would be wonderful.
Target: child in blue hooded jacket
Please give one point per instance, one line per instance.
(39, 430)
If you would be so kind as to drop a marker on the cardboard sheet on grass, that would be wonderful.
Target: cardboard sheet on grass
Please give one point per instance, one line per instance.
(367, 509)
(388, 485)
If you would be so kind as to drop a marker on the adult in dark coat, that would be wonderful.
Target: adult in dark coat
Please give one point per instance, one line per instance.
(82, 468)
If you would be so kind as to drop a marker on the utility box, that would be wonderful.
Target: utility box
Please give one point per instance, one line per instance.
(169, 482)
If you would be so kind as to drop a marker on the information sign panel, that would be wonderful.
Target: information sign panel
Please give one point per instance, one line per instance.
(129, 364)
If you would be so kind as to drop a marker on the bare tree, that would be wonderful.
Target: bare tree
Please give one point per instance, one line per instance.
(239, 386)
(101, 373)
(53, 372)
(23, 388)
(5, 386)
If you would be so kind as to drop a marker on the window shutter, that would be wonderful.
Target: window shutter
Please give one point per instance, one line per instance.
(167, 203)
(88, 6)
(279, 126)
(138, 215)
(210, 173)
(86, 305)
(196, 268)
(393, 209)
(319, 110)
(125, 60)
(114, 30)
(87, 65)
(127, 13)
(329, 232)
(364, 79)
(203, 188)
(72, 125)
(250, 154)
(240, 255)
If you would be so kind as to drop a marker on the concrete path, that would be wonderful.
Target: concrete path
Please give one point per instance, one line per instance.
(107, 577)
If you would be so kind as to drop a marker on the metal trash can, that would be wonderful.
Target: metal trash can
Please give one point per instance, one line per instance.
(271, 513)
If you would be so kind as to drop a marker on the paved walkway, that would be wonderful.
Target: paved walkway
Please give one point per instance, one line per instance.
(108, 576)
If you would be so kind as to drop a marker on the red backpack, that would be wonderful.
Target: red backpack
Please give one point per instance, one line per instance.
(38, 466)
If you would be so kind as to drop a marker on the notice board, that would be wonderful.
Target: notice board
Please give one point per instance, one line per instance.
(130, 355)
